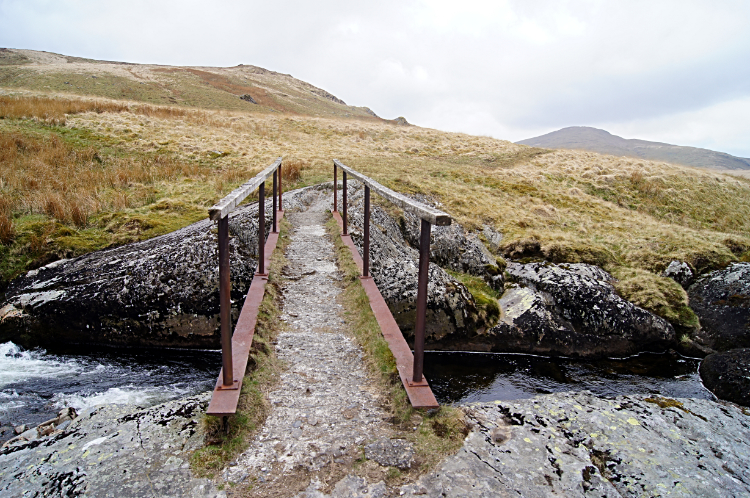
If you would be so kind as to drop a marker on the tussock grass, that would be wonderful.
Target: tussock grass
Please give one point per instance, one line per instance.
(68, 183)
(660, 295)
(264, 369)
(437, 434)
(484, 296)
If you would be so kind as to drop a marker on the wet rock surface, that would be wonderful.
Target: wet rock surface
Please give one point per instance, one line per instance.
(727, 375)
(721, 300)
(113, 451)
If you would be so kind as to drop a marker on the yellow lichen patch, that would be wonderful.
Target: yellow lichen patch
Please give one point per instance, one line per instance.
(633, 421)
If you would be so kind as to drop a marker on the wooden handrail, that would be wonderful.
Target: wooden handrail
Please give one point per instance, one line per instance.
(236, 196)
(423, 211)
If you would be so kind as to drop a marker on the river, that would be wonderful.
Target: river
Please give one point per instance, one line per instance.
(36, 384)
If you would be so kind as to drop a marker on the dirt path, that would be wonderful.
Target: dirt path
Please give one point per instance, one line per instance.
(325, 407)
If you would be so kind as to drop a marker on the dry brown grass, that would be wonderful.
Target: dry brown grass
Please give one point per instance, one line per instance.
(46, 175)
(7, 231)
(53, 110)
(563, 206)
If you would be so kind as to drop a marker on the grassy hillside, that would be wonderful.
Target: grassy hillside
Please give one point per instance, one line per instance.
(81, 174)
(603, 142)
(201, 87)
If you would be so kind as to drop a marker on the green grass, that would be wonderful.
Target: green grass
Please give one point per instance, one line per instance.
(262, 375)
(484, 295)
(660, 295)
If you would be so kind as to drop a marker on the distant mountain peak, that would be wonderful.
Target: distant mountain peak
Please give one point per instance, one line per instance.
(603, 142)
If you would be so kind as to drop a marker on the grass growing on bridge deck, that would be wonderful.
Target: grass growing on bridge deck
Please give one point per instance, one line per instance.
(263, 371)
(435, 435)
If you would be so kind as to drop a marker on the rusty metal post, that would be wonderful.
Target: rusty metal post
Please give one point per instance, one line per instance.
(262, 229)
(275, 228)
(366, 250)
(280, 189)
(335, 185)
(424, 267)
(343, 218)
(225, 305)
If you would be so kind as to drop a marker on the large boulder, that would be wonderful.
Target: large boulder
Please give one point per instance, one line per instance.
(727, 375)
(571, 310)
(457, 249)
(451, 309)
(159, 292)
(721, 299)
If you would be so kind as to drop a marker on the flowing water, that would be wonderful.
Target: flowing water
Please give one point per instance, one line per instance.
(468, 377)
(36, 384)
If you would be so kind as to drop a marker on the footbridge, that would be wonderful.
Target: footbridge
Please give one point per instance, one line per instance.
(236, 344)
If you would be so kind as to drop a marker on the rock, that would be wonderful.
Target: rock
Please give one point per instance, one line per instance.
(350, 486)
(391, 453)
(66, 414)
(727, 375)
(248, 98)
(451, 309)
(571, 310)
(579, 444)
(159, 292)
(680, 272)
(721, 300)
(401, 121)
(493, 237)
(454, 248)
(20, 429)
(113, 451)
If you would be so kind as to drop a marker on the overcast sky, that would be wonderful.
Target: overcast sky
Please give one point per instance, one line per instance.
(671, 71)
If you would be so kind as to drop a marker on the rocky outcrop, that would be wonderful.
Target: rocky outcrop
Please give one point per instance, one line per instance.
(159, 292)
(567, 309)
(457, 249)
(721, 300)
(570, 310)
(113, 451)
(680, 272)
(451, 309)
(582, 445)
(727, 375)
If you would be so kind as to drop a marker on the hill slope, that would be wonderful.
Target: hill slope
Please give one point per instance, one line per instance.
(603, 142)
(79, 173)
(205, 87)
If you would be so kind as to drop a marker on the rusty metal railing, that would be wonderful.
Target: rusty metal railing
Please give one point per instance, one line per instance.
(429, 216)
(220, 212)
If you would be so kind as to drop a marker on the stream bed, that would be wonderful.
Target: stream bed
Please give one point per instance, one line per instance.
(471, 377)
(36, 384)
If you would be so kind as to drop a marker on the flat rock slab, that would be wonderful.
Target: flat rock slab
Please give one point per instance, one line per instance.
(113, 451)
(579, 444)
(391, 453)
